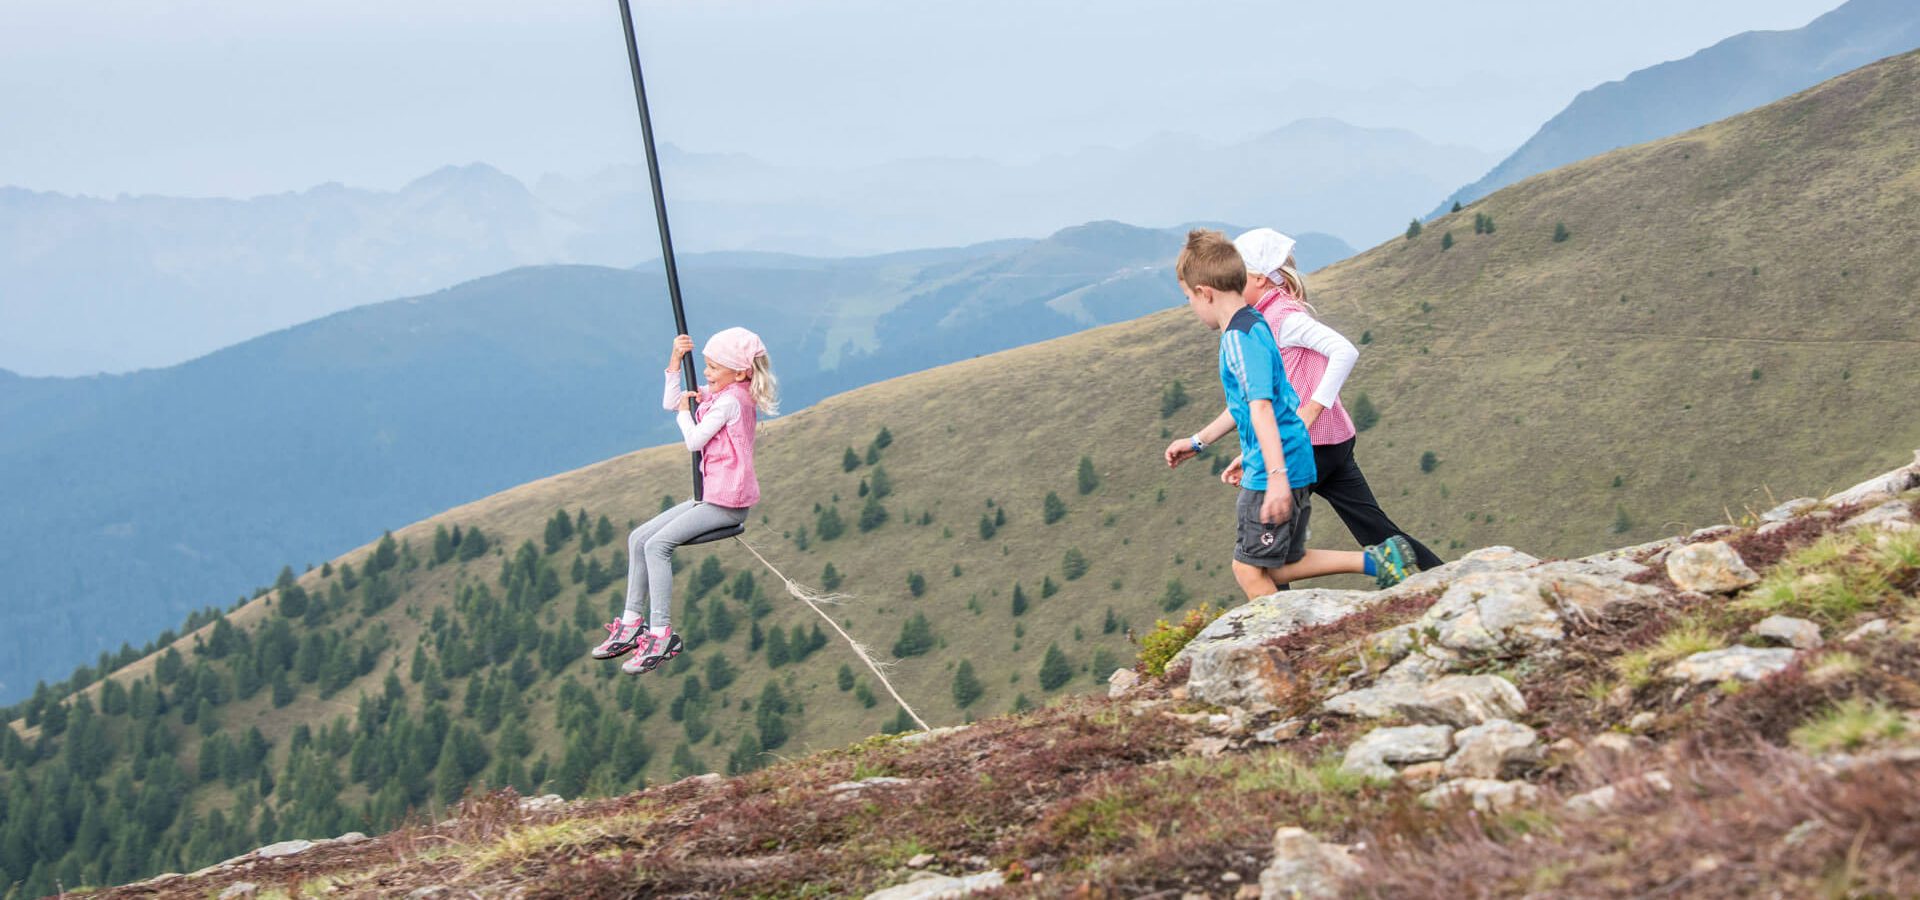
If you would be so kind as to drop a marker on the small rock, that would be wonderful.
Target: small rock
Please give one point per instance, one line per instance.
(1486, 794)
(1712, 566)
(284, 848)
(1607, 798)
(920, 861)
(543, 803)
(1121, 681)
(1744, 663)
(1306, 868)
(1710, 532)
(921, 737)
(351, 837)
(1874, 628)
(1465, 700)
(1209, 746)
(1798, 633)
(1593, 594)
(1456, 700)
(1371, 754)
(1423, 774)
(1230, 877)
(1565, 748)
(1247, 892)
(430, 892)
(942, 887)
(1642, 721)
(1418, 668)
(240, 889)
(849, 788)
(1280, 731)
(1494, 749)
(1789, 509)
(1610, 750)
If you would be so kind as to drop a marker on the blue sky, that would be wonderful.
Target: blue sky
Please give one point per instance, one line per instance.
(239, 97)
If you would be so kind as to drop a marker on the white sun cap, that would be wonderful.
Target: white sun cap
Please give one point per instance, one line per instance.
(1264, 250)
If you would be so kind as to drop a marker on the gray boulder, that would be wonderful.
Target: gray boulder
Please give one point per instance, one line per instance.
(1459, 701)
(928, 886)
(1892, 513)
(1711, 567)
(1891, 483)
(1493, 610)
(1610, 797)
(1494, 749)
(1791, 509)
(1483, 560)
(1372, 754)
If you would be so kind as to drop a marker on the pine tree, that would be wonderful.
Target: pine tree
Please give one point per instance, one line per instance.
(872, 515)
(865, 695)
(966, 687)
(916, 584)
(1362, 411)
(873, 455)
(777, 652)
(987, 528)
(719, 672)
(442, 544)
(1413, 229)
(830, 578)
(884, 439)
(916, 637)
(828, 525)
(1019, 600)
(844, 680)
(1047, 587)
(719, 620)
(1176, 596)
(1087, 478)
(745, 756)
(473, 544)
(1172, 398)
(1446, 241)
(1053, 508)
(849, 461)
(1055, 670)
(1074, 564)
(386, 554)
(1560, 233)
(882, 485)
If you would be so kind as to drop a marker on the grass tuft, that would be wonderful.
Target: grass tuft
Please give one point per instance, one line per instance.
(1850, 725)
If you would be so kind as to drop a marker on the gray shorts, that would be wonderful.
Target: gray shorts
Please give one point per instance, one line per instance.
(1270, 546)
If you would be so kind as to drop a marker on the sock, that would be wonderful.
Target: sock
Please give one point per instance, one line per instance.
(1368, 564)
(629, 618)
(661, 631)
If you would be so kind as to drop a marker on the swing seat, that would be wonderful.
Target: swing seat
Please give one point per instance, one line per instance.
(718, 534)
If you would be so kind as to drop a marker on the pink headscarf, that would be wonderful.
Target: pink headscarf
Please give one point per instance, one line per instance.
(735, 348)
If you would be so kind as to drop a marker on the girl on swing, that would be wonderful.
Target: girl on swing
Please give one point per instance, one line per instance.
(740, 384)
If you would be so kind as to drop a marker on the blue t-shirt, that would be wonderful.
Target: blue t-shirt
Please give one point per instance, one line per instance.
(1250, 369)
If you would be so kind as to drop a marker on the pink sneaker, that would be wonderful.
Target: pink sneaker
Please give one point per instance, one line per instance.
(621, 639)
(653, 650)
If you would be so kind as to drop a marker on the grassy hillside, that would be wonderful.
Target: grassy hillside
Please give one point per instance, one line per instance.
(1731, 314)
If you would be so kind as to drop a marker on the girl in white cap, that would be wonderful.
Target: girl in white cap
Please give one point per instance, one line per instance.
(1318, 360)
(740, 384)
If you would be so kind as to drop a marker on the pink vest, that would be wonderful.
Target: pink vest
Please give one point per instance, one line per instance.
(726, 462)
(1305, 368)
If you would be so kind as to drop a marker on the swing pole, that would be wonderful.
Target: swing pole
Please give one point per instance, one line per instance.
(660, 217)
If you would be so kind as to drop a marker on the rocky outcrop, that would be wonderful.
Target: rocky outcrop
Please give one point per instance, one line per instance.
(1371, 754)
(1231, 664)
(930, 886)
(1799, 634)
(1485, 794)
(1496, 749)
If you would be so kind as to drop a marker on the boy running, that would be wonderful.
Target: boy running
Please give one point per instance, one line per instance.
(1270, 547)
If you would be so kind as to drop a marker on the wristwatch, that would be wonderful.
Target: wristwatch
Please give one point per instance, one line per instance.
(1199, 446)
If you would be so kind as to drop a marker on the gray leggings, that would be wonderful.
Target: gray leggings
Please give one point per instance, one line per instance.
(649, 569)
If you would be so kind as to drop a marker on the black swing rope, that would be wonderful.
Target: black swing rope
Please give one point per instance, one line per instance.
(812, 598)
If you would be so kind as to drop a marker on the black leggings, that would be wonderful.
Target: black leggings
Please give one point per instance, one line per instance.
(1346, 490)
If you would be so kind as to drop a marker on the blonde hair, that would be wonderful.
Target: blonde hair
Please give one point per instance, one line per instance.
(764, 387)
(1209, 260)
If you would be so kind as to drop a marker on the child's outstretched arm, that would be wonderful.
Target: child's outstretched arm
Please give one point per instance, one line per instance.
(1182, 449)
(1302, 330)
(671, 399)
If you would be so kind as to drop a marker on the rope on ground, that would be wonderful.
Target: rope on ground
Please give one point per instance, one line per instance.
(813, 599)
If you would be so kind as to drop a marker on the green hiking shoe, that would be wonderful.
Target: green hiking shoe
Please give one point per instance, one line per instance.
(1392, 561)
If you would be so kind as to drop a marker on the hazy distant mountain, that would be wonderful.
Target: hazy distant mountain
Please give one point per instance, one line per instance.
(132, 499)
(1737, 74)
(113, 285)
(1317, 174)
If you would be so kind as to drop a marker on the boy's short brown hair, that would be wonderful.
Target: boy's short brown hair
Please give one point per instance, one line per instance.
(1209, 260)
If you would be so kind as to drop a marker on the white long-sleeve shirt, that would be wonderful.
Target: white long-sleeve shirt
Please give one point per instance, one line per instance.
(1306, 331)
(724, 411)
